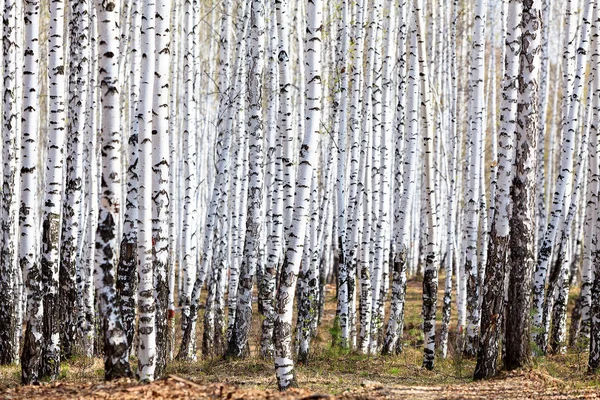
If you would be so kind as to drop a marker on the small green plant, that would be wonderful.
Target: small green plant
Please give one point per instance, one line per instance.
(581, 347)
(458, 362)
(336, 332)
(64, 371)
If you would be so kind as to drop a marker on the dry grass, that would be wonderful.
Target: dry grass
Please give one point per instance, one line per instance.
(332, 370)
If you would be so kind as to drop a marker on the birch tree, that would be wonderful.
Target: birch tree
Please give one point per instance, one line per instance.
(492, 307)
(594, 356)
(146, 302)
(393, 340)
(9, 294)
(253, 248)
(476, 155)
(430, 278)
(29, 249)
(564, 177)
(127, 268)
(78, 113)
(284, 365)
(522, 221)
(51, 209)
(160, 178)
(116, 354)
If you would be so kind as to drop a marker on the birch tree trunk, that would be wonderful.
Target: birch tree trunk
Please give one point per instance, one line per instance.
(147, 351)
(476, 155)
(594, 356)
(393, 340)
(342, 288)
(189, 233)
(86, 289)
(353, 228)
(160, 179)
(522, 222)
(492, 307)
(238, 343)
(591, 217)
(564, 178)
(430, 277)
(116, 354)
(213, 343)
(452, 203)
(284, 365)
(218, 197)
(29, 250)
(127, 269)
(273, 186)
(51, 209)
(78, 112)
(9, 296)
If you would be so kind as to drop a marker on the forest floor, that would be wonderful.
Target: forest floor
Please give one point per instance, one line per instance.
(330, 373)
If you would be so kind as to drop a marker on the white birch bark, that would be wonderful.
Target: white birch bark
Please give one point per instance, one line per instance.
(78, 112)
(51, 209)
(174, 172)
(116, 349)
(593, 185)
(86, 287)
(9, 295)
(28, 210)
(496, 270)
(147, 351)
(214, 214)
(452, 204)
(240, 183)
(430, 278)
(127, 268)
(383, 251)
(569, 127)
(160, 178)
(542, 212)
(274, 214)
(369, 132)
(213, 343)
(285, 120)
(476, 133)
(189, 231)
(352, 229)
(522, 222)
(253, 247)
(559, 289)
(594, 356)
(308, 160)
(407, 185)
(343, 281)
(308, 280)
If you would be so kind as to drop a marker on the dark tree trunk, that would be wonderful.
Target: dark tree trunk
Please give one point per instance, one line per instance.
(492, 308)
(8, 316)
(50, 363)
(594, 360)
(127, 287)
(186, 348)
(522, 221)
(576, 319)
(393, 339)
(31, 356)
(521, 259)
(430, 286)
